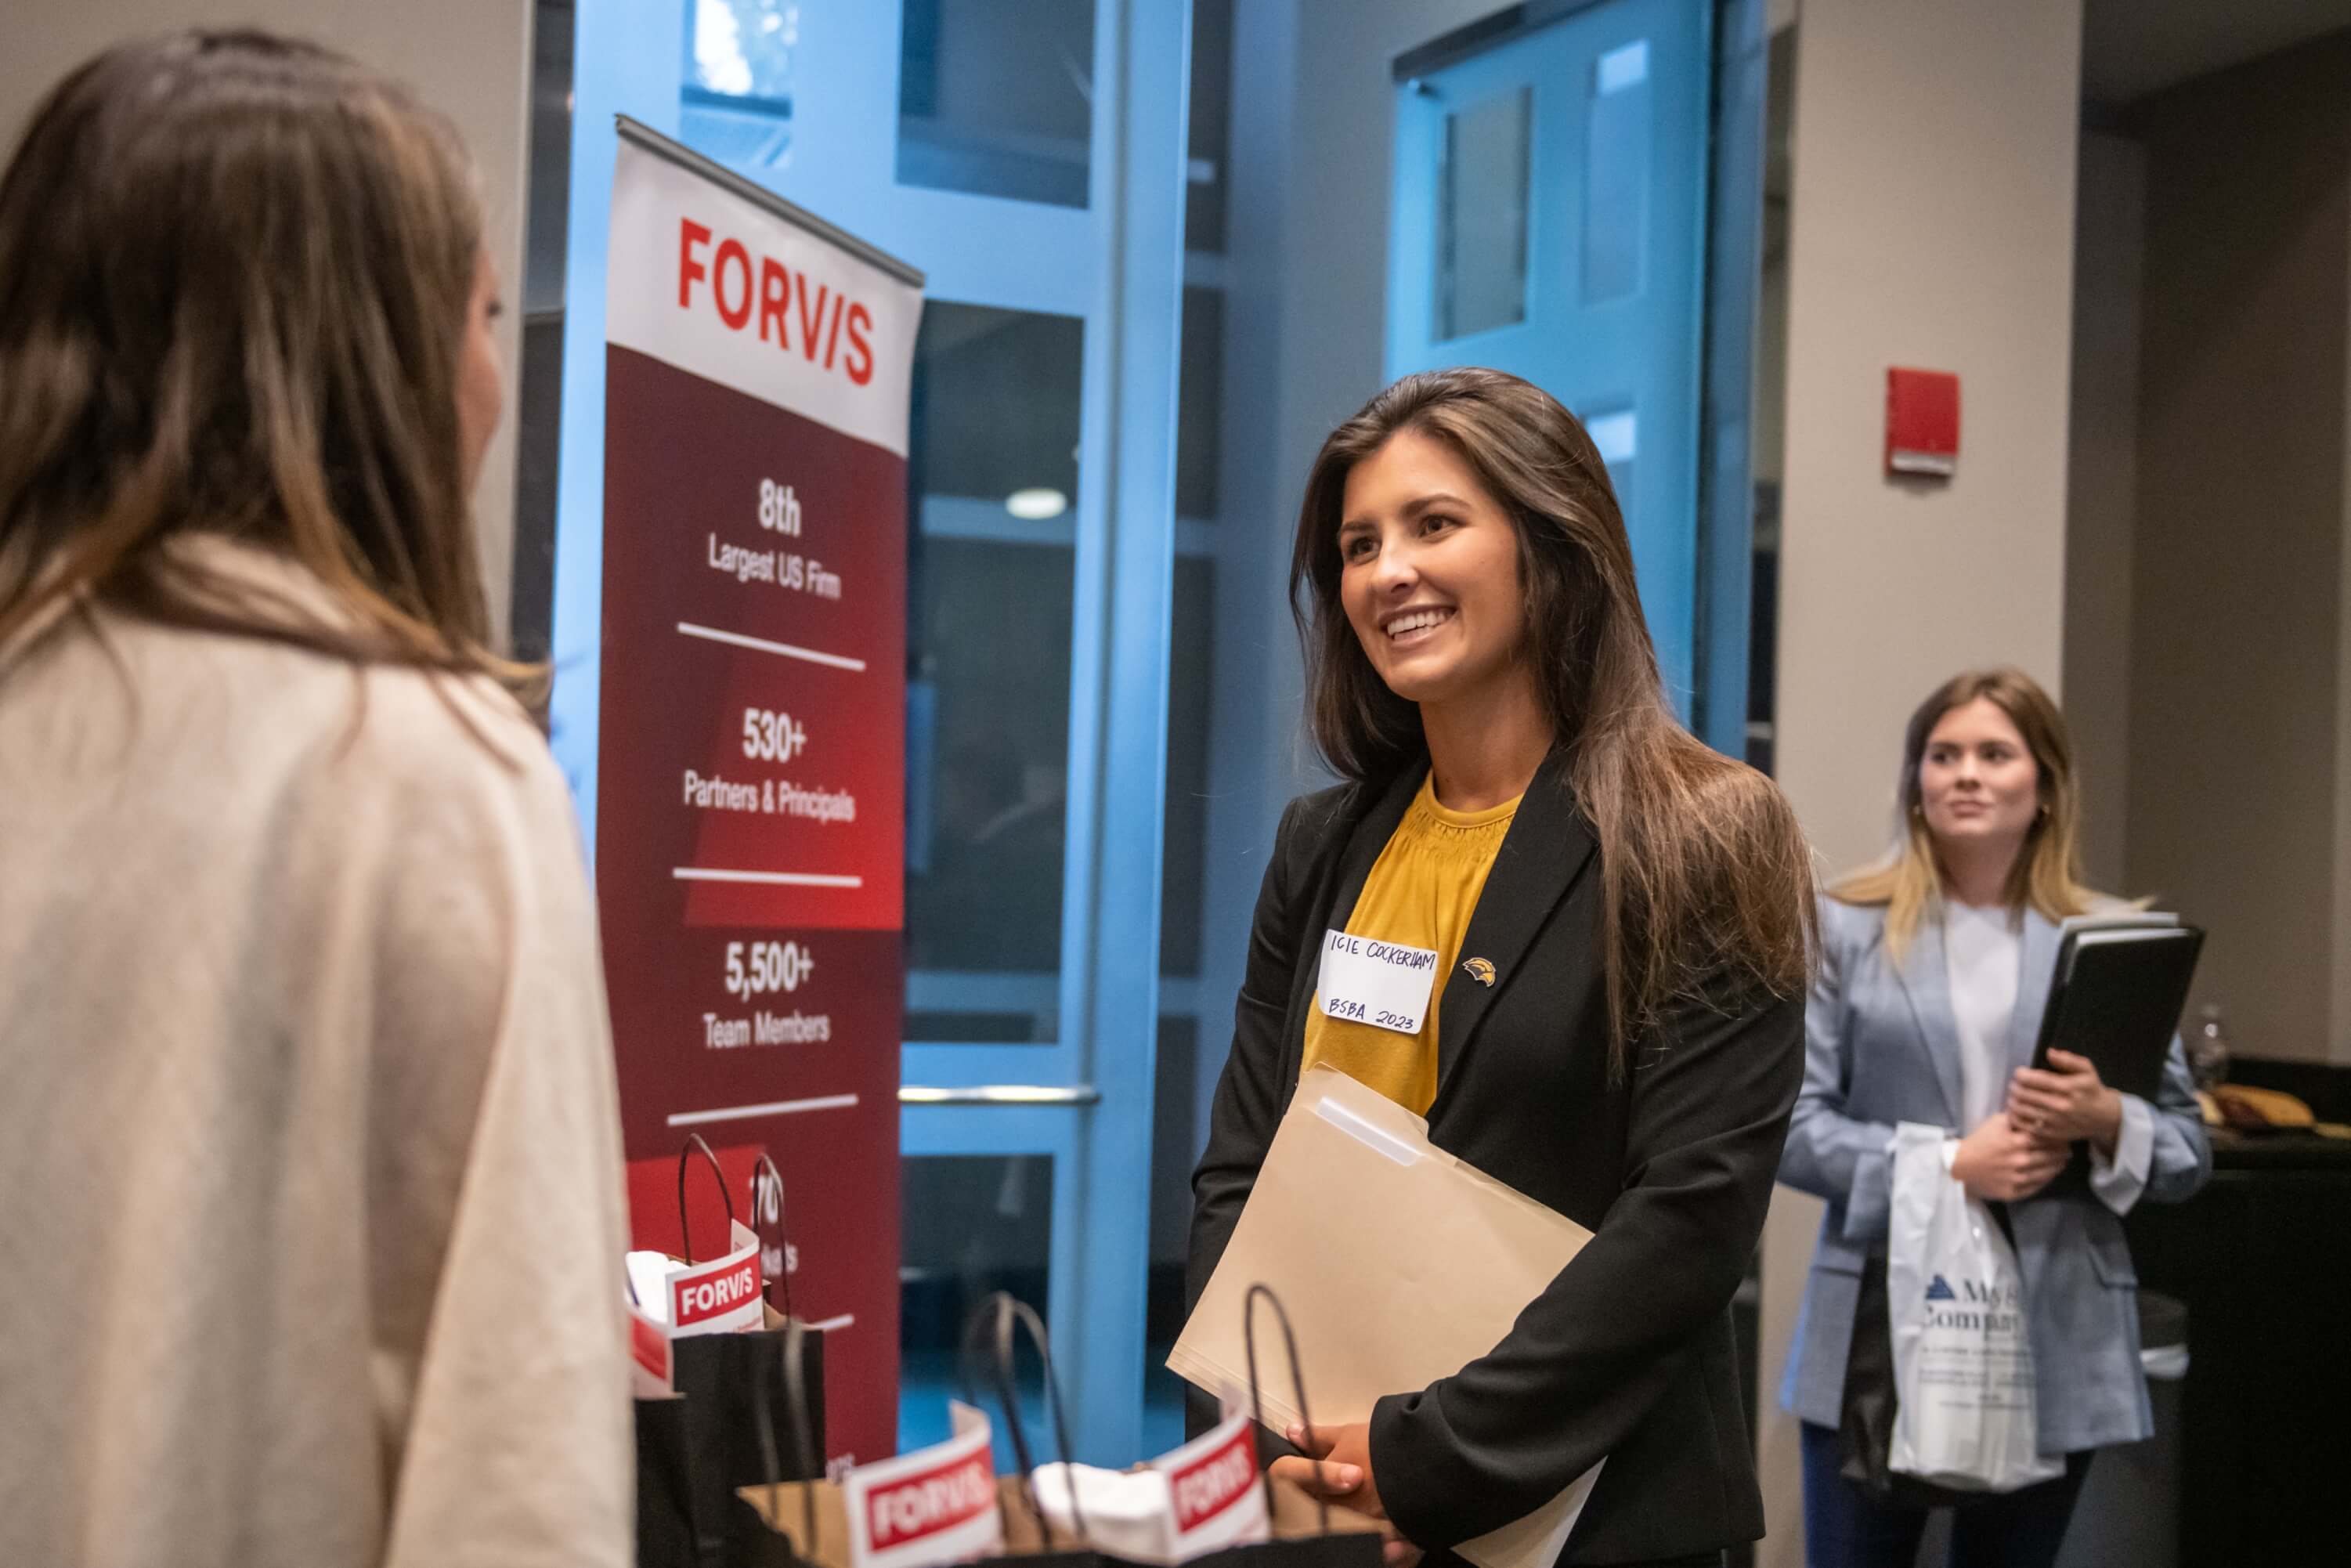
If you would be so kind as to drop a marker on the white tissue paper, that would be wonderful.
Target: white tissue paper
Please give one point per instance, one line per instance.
(1202, 1498)
(1128, 1512)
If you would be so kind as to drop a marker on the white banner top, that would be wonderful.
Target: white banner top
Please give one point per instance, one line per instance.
(747, 291)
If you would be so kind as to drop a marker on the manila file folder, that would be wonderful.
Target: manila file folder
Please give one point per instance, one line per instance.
(1398, 1265)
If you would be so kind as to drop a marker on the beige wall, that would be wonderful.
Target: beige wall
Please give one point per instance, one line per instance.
(470, 59)
(1932, 225)
(2236, 781)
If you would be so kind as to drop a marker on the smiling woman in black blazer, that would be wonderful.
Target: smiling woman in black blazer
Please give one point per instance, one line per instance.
(1620, 918)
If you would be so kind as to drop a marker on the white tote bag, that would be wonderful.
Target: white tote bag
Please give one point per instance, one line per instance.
(1962, 1358)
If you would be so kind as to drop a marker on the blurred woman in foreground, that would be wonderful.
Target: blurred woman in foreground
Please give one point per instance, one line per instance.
(309, 1163)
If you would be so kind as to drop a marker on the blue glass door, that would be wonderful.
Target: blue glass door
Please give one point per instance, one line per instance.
(1548, 221)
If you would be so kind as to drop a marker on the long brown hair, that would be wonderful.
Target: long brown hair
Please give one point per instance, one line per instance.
(2047, 874)
(1706, 879)
(235, 271)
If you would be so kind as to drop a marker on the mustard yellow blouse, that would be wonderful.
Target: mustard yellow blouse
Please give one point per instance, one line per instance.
(1421, 892)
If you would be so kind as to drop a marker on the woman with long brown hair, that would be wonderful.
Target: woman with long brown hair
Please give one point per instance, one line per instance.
(1618, 917)
(309, 1150)
(1935, 967)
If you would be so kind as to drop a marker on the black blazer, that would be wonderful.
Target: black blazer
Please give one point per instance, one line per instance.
(1628, 1354)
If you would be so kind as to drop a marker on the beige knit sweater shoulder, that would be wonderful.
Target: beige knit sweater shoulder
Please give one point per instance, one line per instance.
(310, 1189)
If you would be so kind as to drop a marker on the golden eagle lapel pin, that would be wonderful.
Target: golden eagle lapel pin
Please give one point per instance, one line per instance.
(1480, 970)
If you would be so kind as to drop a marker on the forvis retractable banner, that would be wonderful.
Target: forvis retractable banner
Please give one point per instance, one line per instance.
(751, 751)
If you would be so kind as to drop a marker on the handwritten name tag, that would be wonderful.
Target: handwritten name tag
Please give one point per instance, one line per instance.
(1384, 984)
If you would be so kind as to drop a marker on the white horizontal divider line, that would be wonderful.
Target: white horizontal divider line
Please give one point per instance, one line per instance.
(712, 633)
(772, 878)
(772, 1108)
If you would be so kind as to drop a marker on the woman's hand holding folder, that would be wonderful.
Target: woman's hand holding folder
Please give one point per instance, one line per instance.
(2000, 1162)
(2069, 1103)
(1338, 1468)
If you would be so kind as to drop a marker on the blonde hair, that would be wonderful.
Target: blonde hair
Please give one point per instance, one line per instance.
(2047, 874)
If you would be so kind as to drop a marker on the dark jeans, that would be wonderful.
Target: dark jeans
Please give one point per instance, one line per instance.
(1847, 1525)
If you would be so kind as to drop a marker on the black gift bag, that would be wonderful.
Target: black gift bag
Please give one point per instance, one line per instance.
(1028, 1534)
(1306, 1533)
(779, 1525)
(711, 1442)
(806, 1525)
(722, 1378)
(749, 1541)
(668, 1534)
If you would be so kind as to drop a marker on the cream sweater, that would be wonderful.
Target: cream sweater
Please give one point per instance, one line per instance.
(310, 1186)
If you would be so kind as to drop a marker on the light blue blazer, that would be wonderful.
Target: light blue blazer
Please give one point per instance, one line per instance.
(1882, 1046)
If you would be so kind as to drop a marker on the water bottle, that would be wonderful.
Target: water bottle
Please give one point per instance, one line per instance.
(2207, 1050)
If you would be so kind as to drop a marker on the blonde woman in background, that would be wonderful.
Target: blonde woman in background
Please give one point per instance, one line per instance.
(1935, 967)
(310, 1156)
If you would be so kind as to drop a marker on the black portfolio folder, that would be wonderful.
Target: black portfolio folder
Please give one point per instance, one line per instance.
(2116, 998)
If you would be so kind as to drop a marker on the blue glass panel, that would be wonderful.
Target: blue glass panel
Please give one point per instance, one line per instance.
(1617, 433)
(737, 89)
(1617, 174)
(971, 1223)
(743, 48)
(1481, 223)
(995, 96)
(994, 477)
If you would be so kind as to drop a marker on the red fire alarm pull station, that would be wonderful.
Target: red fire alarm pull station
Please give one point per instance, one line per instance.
(1922, 422)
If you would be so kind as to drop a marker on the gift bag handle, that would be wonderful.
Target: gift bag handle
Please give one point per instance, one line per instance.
(1006, 1313)
(685, 1230)
(1296, 1386)
(783, 1227)
(788, 1346)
